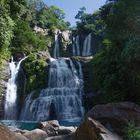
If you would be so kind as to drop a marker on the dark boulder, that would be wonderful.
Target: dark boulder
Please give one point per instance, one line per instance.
(93, 130)
(115, 115)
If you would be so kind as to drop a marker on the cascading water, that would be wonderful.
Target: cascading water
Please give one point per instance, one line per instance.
(56, 47)
(87, 46)
(11, 92)
(76, 46)
(73, 46)
(62, 99)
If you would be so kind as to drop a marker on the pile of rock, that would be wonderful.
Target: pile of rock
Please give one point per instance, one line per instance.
(50, 130)
(112, 115)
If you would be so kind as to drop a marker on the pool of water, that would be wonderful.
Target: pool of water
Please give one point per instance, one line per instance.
(30, 125)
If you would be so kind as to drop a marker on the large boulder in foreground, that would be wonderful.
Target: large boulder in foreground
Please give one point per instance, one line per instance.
(93, 130)
(115, 115)
(6, 134)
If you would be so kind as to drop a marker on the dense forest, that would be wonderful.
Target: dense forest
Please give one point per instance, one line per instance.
(115, 67)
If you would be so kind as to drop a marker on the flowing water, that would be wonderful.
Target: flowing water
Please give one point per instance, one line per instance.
(87, 46)
(76, 46)
(86, 49)
(56, 47)
(62, 99)
(11, 92)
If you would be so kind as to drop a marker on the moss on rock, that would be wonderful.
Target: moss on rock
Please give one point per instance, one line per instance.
(36, 70)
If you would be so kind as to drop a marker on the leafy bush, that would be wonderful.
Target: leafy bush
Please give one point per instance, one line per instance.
(25, 40)
(36, 73)
(116, 69)
(6, 27)
(131, 132)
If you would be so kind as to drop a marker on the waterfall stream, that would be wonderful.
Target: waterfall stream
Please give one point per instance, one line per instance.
(76, 46)
(56, 47)
(85, 49)
(62, 99)
(11, 92)
(87, 46)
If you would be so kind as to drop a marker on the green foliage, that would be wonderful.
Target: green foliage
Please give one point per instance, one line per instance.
(123, 22)
(6, 27)
(18, 8)
(80, 13)
(90, 22)
(35, 69)
(17, 19)
(131, 132)
(6, 34)
(116, 67)
(52, 18)
(26, 41)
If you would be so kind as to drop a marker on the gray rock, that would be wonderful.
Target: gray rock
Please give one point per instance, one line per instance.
(36, 134)
(48, 128)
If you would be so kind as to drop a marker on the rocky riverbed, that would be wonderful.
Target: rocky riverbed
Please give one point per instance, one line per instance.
(114, 115)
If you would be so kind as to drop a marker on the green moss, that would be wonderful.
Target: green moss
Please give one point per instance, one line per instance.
(36, 70)
(131, 132)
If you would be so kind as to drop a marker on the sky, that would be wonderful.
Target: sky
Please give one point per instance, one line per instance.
(71, 7)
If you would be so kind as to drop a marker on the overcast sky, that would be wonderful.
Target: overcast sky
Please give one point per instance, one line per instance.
(71, 7)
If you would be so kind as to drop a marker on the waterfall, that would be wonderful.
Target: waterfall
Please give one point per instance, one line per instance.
(73, 46)
(56, 47)
(87, 50)
(62, 99)
(87, 46)
(11, 92)
(76, 46)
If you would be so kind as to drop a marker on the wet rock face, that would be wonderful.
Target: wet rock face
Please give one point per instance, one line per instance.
(115, 115)
(4, 76)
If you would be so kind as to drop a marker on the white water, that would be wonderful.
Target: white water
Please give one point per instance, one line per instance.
(87, 46)
(11, 92)
(73, 46)
(76, 46)
(62, 99)
(56, 47)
